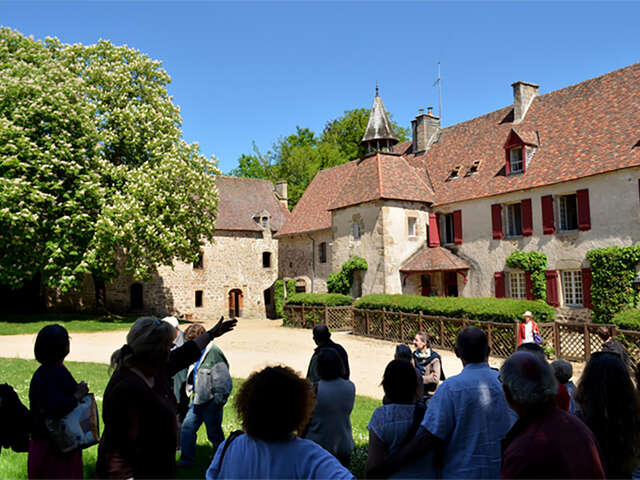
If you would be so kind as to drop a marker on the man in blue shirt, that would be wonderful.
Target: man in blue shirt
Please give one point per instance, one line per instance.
(467, 417)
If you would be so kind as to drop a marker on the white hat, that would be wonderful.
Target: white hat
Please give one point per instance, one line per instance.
(173, 321)
(527, 314)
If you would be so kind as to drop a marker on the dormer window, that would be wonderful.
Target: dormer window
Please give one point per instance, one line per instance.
(475, 166)
(516, 161)
(455, 172)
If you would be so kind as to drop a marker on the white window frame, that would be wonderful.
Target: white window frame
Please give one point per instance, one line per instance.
(563, 218)
(516, 160)
(447, 227)
(571, 281)
(517, 285)
(411, 226)
(510, 224)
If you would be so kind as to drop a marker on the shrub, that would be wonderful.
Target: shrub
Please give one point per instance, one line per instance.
(321, 299)
(503, 310)
(278, 295)
(535, 264)
(627, 319)
(340, 282)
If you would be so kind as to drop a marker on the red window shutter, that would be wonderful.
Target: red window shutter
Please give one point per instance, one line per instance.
(498, 280)
(584, 214)
(496, 221)
(457, 227)
(527, 217)
(528, 285)
(586, 288)
(434, 236)
(507, 165)
(548, 224)
(552, 287)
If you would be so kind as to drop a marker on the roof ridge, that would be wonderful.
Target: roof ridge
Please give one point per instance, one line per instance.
(418, 176)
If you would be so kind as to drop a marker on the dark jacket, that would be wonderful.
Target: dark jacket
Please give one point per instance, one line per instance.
(15, 420)
(342, 353)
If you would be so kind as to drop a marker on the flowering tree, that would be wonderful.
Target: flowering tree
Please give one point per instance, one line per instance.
(93, 167)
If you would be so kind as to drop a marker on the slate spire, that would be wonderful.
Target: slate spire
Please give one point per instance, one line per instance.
(379, 134)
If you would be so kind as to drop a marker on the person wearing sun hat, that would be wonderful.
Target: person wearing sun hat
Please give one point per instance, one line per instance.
(527, 328)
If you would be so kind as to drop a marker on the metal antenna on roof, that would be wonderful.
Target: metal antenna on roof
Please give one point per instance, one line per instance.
(439, 83)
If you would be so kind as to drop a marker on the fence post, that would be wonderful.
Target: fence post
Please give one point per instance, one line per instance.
(557, 340)
(366, 321)
(326, 315)
(490, 337)
(515, 343)
(302, 319)
(420, 325)
(587, 343)
(384, 324)
(441, 331)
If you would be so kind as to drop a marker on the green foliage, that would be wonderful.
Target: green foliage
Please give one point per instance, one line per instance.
(534, 263)
(627, 319)
(320, 299)
(93, 167)
(488, 309)
(278, 295)
(340, 282)
(613, 270)
(298, 157)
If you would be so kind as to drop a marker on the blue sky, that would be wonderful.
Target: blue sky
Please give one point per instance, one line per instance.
(248, 71)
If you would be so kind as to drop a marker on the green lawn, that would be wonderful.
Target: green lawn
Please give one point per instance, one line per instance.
(73, 322)
(18, 373)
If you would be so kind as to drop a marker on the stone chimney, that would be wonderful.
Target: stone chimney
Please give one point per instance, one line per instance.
(523, 95)
(281, 189)
(425, 129)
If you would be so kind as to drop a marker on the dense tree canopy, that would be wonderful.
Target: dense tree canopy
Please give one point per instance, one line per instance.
(297, 158)
(93, 168)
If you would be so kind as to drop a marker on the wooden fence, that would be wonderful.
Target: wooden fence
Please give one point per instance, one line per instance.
(569, 341)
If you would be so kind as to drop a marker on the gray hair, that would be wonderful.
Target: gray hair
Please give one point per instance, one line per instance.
(529, 380)
(147, 337)
(563, 370)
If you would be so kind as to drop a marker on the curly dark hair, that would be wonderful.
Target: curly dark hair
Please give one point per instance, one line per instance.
(400, 382)
(274, 403)
(193, 331)
(611, 409)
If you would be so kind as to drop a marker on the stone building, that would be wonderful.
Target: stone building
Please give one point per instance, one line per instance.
(557, 173)
(235, 273)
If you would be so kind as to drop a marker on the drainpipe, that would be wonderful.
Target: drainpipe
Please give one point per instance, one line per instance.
(313, 260)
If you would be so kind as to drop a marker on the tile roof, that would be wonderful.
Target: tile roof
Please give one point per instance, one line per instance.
(433, 259)
(585, 129)
(382, 176)
(242, 198)
(311, 212)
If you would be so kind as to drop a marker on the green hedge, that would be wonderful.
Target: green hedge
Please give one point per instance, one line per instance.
(489, 309)
(321, 299)
(627, 319)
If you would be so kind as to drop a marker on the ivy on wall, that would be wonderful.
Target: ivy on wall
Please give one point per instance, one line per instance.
(613, 270)
(340, 282)
(534, 263)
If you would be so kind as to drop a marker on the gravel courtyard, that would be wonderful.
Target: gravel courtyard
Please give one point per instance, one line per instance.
(252, 345)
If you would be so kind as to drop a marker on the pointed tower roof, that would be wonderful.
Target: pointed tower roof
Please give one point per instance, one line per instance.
(379, 126)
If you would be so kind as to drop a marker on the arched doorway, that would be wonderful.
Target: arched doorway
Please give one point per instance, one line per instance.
(235, 303)
(136, 296)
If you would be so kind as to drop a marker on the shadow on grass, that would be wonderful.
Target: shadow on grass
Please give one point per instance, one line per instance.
(204, 455)
(63, 317)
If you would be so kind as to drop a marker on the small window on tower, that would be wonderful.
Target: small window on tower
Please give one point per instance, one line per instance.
(198, 298)
(411, 226)
(266, 259)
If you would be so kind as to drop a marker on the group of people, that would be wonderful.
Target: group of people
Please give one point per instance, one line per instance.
(525, 420)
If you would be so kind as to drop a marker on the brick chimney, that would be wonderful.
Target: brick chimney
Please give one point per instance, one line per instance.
(523, 95)
(425, 129)
(281, 190)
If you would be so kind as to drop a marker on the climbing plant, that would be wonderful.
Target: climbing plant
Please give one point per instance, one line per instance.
(340, 282)
(613, 270)
(534, 263)
(278, 294)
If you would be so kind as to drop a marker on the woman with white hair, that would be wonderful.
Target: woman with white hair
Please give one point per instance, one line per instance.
(139, 410)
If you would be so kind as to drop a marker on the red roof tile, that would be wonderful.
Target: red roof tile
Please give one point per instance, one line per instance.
(242, 198)
(433, 259)
(311, 212)
(586, 129)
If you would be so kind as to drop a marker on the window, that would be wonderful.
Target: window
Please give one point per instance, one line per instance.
(412, 226)
(517, 285)
(513, 217)
(322, 253)
(301, 286)
(572, 288)
(264, 221)
(199, 263)
(198, 298)
(447, 228)
(266, 259)
(356, 231)
(568, 207)
(515, 160)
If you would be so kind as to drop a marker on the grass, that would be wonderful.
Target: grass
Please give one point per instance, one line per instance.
(73, 322)
(18, 372)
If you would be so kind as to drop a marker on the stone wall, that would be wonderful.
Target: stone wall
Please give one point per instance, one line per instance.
(299, 259)
(567, 314)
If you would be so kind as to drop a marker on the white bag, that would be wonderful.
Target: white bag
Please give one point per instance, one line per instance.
(79, 428)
